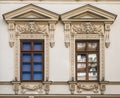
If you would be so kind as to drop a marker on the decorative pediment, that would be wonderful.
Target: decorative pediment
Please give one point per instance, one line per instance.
(88, 13)
(31, 13)
(31, 19)
(88, 20)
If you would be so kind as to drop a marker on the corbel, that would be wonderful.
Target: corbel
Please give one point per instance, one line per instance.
(16, 86)
(67, 28)
(51, 35)
(72, 85)
(11, 28)
(47, 86)
(103, 86)
(107, 34)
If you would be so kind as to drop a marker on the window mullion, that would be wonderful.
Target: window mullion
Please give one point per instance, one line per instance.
(32, 62)
(87, 77)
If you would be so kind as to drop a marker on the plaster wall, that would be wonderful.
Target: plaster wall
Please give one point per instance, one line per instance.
(59, 54)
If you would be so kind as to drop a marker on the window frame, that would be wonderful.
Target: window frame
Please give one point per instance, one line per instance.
(86, 52)
(32, 65)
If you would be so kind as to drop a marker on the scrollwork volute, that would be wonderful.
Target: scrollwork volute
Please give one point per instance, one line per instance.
(51, 33)
(67, 34)
(11, 28)
(107, 34)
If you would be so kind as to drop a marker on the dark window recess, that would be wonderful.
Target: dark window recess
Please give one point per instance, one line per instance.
(32, 60)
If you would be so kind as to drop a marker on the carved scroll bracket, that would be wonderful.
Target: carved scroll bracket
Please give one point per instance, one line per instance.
(16, 86)
(67, 28)
(103, 86)
(107, 34)
(11, 28)
(47, 86)
(51, 33)
(72, 86)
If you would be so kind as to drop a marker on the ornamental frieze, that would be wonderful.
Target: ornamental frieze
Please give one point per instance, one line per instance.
(87, 28)
(32, 27)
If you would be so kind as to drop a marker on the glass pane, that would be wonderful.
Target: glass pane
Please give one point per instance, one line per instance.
(26, 67)
(92, 46)
(38, 46)
(81, 76)
(26, 46)
(92, 58)
(37, 67)
(26, 57)
(81, 58)
(92, 69)
(93, 76)
(81, 65)
(37, 76)
(26, 76)
(81, 46)
(92, 66)
(37, 57)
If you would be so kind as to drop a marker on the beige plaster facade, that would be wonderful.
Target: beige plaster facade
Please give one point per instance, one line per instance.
(59, 23)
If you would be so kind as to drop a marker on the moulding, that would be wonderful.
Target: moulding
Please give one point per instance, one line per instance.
(60, 1)
(87, 23)
(31, 22)
(35, 87)
(63, 96)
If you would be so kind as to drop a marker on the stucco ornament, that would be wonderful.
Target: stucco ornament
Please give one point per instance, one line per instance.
(87, 23)
(32, 27)
(87, 87)
(31, 87)
(87, 28)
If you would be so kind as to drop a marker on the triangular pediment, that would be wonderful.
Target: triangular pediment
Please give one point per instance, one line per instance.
(31, 13)
(88, 13)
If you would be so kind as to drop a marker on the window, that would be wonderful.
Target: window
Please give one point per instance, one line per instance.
(87, 60)
(32, 60)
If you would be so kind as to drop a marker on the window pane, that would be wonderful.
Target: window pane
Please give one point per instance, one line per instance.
(92, 66)
(26, 67)
(37, 57)
(81, 46)
(92, 46)
(92, 58)
(81, 76)
(38, 46)
(81, 58)
(37, 75)
(26, 76)
(81, 65)
(37, 67)
(26, 46)
(26, 57)
(93, 76)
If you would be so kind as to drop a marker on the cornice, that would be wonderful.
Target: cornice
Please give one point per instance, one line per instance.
(62, 96)
(58, 1)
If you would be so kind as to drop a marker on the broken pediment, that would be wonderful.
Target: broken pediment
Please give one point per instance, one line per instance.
(31, 13)
(88, 13)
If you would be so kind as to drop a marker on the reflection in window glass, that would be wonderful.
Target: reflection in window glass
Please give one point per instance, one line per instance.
(87, 60)
(32, 63)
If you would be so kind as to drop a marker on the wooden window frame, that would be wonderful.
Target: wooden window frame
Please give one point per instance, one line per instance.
(32, 65)
(88, 52)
